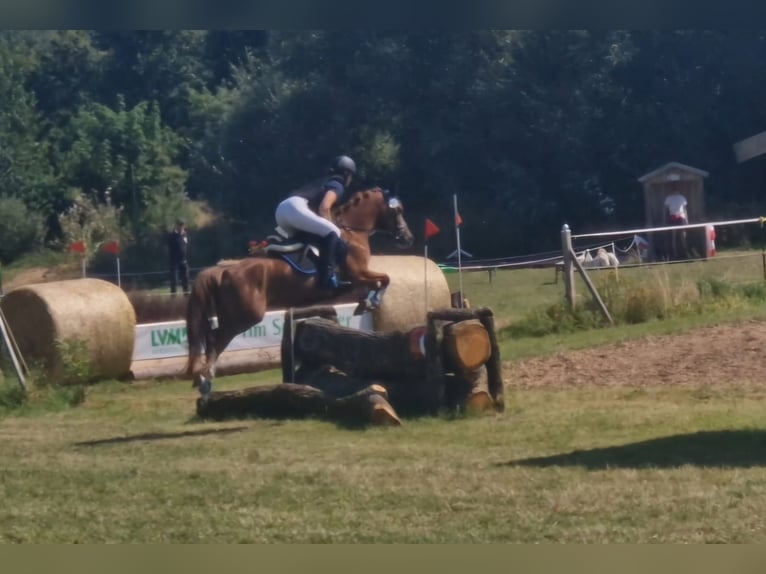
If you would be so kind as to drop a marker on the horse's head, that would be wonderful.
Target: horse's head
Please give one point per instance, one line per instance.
(391, 220)
(375, 210)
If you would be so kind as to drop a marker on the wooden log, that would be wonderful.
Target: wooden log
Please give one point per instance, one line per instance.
(363, 354)
(287, 350)
(494, 364)
(272, 401)
(469, 392)
(466, 346)
(368, 405)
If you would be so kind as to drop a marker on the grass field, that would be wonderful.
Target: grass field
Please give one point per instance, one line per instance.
(589, 464)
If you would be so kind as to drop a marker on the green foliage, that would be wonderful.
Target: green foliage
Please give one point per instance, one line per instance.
(21, 230)
(532, 128)
(24, 168)
(44, 394)
(77, 366)
(92, 221)
(557, 318)
(651, 295)
(12, 396)
(41, 395)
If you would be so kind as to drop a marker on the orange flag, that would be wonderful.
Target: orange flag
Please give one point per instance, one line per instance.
(431, 228)
(458, 219)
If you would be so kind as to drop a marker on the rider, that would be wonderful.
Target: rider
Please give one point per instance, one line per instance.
(309, 209)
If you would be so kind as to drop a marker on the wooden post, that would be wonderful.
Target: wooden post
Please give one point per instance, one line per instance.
(568, 271)
(494, 365)
(591, 288)
(13, 350)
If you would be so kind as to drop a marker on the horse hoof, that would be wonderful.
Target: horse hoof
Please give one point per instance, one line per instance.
(205, 387)
(362, 307)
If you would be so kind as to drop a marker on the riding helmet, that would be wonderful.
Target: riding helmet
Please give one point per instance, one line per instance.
(343, 164)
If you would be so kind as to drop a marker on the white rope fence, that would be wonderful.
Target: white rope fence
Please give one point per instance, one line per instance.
(669, 228)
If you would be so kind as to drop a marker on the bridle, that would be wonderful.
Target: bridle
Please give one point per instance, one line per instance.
(401, 228)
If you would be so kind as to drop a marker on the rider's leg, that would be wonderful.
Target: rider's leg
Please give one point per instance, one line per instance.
(328, 258)
(295, 213)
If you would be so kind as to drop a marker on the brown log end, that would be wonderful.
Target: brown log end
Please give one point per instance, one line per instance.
(383, 414)
(479, 402)
(467, 345)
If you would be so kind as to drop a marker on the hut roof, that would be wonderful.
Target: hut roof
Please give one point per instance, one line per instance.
(672, 165)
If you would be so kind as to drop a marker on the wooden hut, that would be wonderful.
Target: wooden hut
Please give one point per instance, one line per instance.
(670, 178)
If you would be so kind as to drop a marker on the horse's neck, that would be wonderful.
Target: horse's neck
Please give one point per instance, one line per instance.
(359, 238)
(361, 211)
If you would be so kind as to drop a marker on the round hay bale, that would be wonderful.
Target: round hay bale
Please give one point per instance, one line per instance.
(404, 305)
(86, 320)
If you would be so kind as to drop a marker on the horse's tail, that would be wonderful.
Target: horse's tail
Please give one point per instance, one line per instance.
(197, 320)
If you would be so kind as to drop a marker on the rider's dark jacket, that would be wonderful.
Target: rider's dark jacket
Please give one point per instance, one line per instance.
(316, 190)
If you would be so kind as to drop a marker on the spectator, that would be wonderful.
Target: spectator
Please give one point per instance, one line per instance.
(178, 241)
(675, 209)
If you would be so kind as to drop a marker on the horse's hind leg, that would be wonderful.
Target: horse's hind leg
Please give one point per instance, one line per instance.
(216, 343)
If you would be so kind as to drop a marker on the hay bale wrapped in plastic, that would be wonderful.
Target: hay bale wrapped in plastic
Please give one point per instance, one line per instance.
(404, 303)
(87, 321)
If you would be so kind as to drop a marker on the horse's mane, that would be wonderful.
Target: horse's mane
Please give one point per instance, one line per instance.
(356, 198)
(228, 262)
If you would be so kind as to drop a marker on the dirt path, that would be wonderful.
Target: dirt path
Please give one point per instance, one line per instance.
(41, 275)
(725, 354)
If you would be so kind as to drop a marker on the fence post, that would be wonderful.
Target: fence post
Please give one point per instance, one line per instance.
(566, 252)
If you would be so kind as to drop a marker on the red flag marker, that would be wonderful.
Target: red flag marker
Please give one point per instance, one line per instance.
(112, 247)
(77, 247)
(431, 228)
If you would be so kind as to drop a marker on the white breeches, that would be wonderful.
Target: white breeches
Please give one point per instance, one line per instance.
(293, 214)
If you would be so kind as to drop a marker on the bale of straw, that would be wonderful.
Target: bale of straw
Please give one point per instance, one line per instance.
(404, 303)
(90, 316)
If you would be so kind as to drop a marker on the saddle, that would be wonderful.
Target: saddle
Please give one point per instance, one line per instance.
(299, 250)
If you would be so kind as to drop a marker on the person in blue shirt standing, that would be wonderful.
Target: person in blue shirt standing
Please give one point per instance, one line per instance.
(309, 209)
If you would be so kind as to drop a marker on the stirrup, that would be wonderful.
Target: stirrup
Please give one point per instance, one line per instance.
(333, 283)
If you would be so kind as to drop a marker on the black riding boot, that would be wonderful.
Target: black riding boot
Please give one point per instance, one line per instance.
(328, 278)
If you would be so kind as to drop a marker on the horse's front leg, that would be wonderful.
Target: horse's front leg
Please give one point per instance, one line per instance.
(377, 283)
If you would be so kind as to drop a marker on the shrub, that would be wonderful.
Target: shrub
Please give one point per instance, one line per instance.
(641, 305)
(21, 230)
(77, 366)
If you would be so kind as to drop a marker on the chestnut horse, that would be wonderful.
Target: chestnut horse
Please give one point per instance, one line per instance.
(239, 293)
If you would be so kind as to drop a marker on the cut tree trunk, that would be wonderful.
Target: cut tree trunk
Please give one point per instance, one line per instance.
(357, 353)
(410, 397)
(494, 366)
(368, 405)
(466, 346)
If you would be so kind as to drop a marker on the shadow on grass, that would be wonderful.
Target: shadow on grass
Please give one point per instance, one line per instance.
(730, 448)
(159, 436)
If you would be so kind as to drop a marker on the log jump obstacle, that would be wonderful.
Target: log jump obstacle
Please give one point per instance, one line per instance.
(356, 377)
